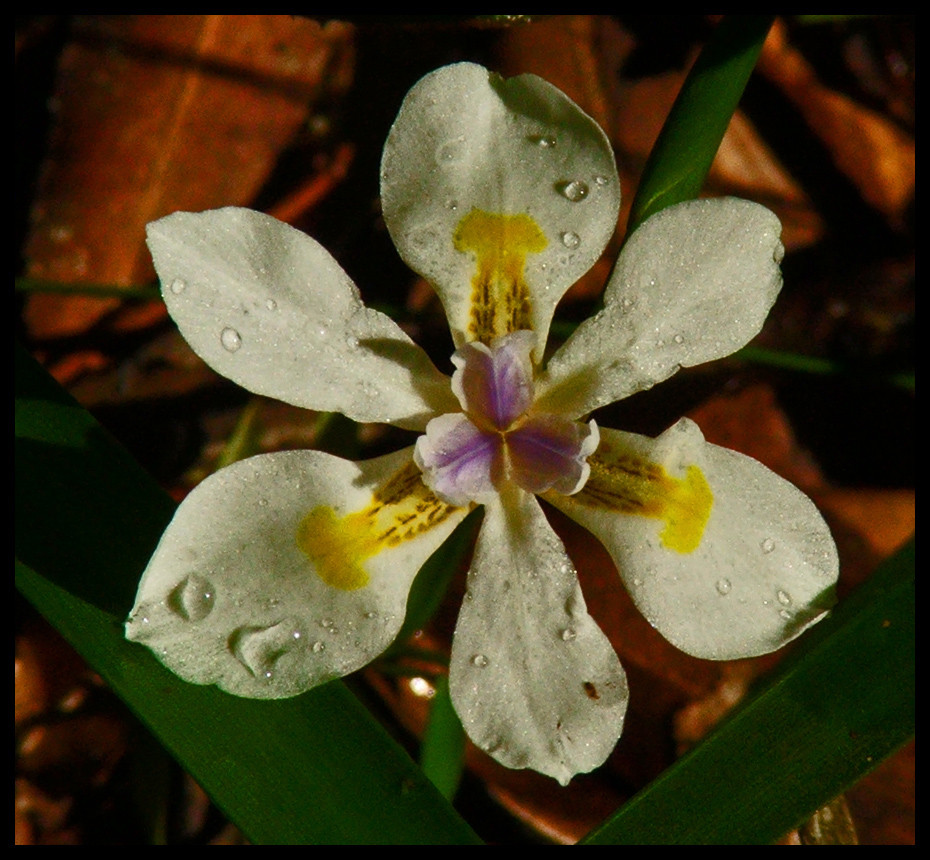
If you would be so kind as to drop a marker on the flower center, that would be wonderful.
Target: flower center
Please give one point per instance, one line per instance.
(498, 437)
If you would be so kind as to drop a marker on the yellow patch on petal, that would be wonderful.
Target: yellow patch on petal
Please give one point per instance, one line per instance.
(500, 299)
(338, 546)
(624, 482)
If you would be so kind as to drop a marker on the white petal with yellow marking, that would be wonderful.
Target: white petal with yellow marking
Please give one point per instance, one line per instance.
(695, 282)
(286, 570)
(268, 307)
(532, 677)
(723, 557)
(502, 193)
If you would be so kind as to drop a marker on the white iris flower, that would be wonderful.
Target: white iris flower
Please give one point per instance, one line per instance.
(287, 570)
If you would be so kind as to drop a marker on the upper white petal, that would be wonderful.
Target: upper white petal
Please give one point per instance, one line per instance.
(695, 282)
(766, 565)
(268, 307)
(533, 679)
(229, 598)
(467, 139)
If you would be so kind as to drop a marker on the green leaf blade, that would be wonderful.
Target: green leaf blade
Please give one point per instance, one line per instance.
(690, 138)
(316, 769)
(835, 709)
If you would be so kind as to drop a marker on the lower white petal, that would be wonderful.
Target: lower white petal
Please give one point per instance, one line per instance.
(722, 556)
(286, 570)
(533, 679)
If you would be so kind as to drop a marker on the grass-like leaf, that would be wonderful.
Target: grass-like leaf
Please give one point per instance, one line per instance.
(691, 136)
(442, 755)
(842, 702)
(313, 769)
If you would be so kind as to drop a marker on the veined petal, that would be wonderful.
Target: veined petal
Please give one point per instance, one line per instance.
(695, 282)
(286, 570)
(268, 307)
(550, 452)
(723, 557)
(460, 462)
(495, 384)
(533, 679)
(501, 193)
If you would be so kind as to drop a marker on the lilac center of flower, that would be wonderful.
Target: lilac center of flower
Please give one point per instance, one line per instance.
(498, 438)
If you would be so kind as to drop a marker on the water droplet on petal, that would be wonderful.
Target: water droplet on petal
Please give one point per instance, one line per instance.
(451, 150)
(601, 180)
(271, 304)
(784, 598)
(193, 598)
(178, 286)
(678, 338)
(452, 205)
(568, 634)
(231, 339)
(352, 342)
(570, 240)
(480, 661)
(318, 647)
(493, 746)
(543, 141)
(767, 545)
(574, 190)
(259, 648)
(784, 613)
(724, 586)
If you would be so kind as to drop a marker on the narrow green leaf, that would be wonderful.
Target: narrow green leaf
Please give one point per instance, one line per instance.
(689, 140)
(839, 704)
(442, 755)
(313, 769)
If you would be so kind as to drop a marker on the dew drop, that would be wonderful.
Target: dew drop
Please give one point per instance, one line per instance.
(543, 141)
(480, 661)
(371, 615)
(568, 634)
(231, 339)
(784, 598)
(271, 304)
(574, 190)
(318, 647)
(767, 545)
(193, 598)
(784, 613)
(452, 205)
(570, 240)
(352, 342)
(451, 150)
(724, 586)
(259, 648)
(494, 746)
(263, 503)
(678, 338)
(178, 286)
(601, 180)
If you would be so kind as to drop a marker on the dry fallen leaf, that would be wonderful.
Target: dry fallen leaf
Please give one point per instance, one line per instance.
(158, 113)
